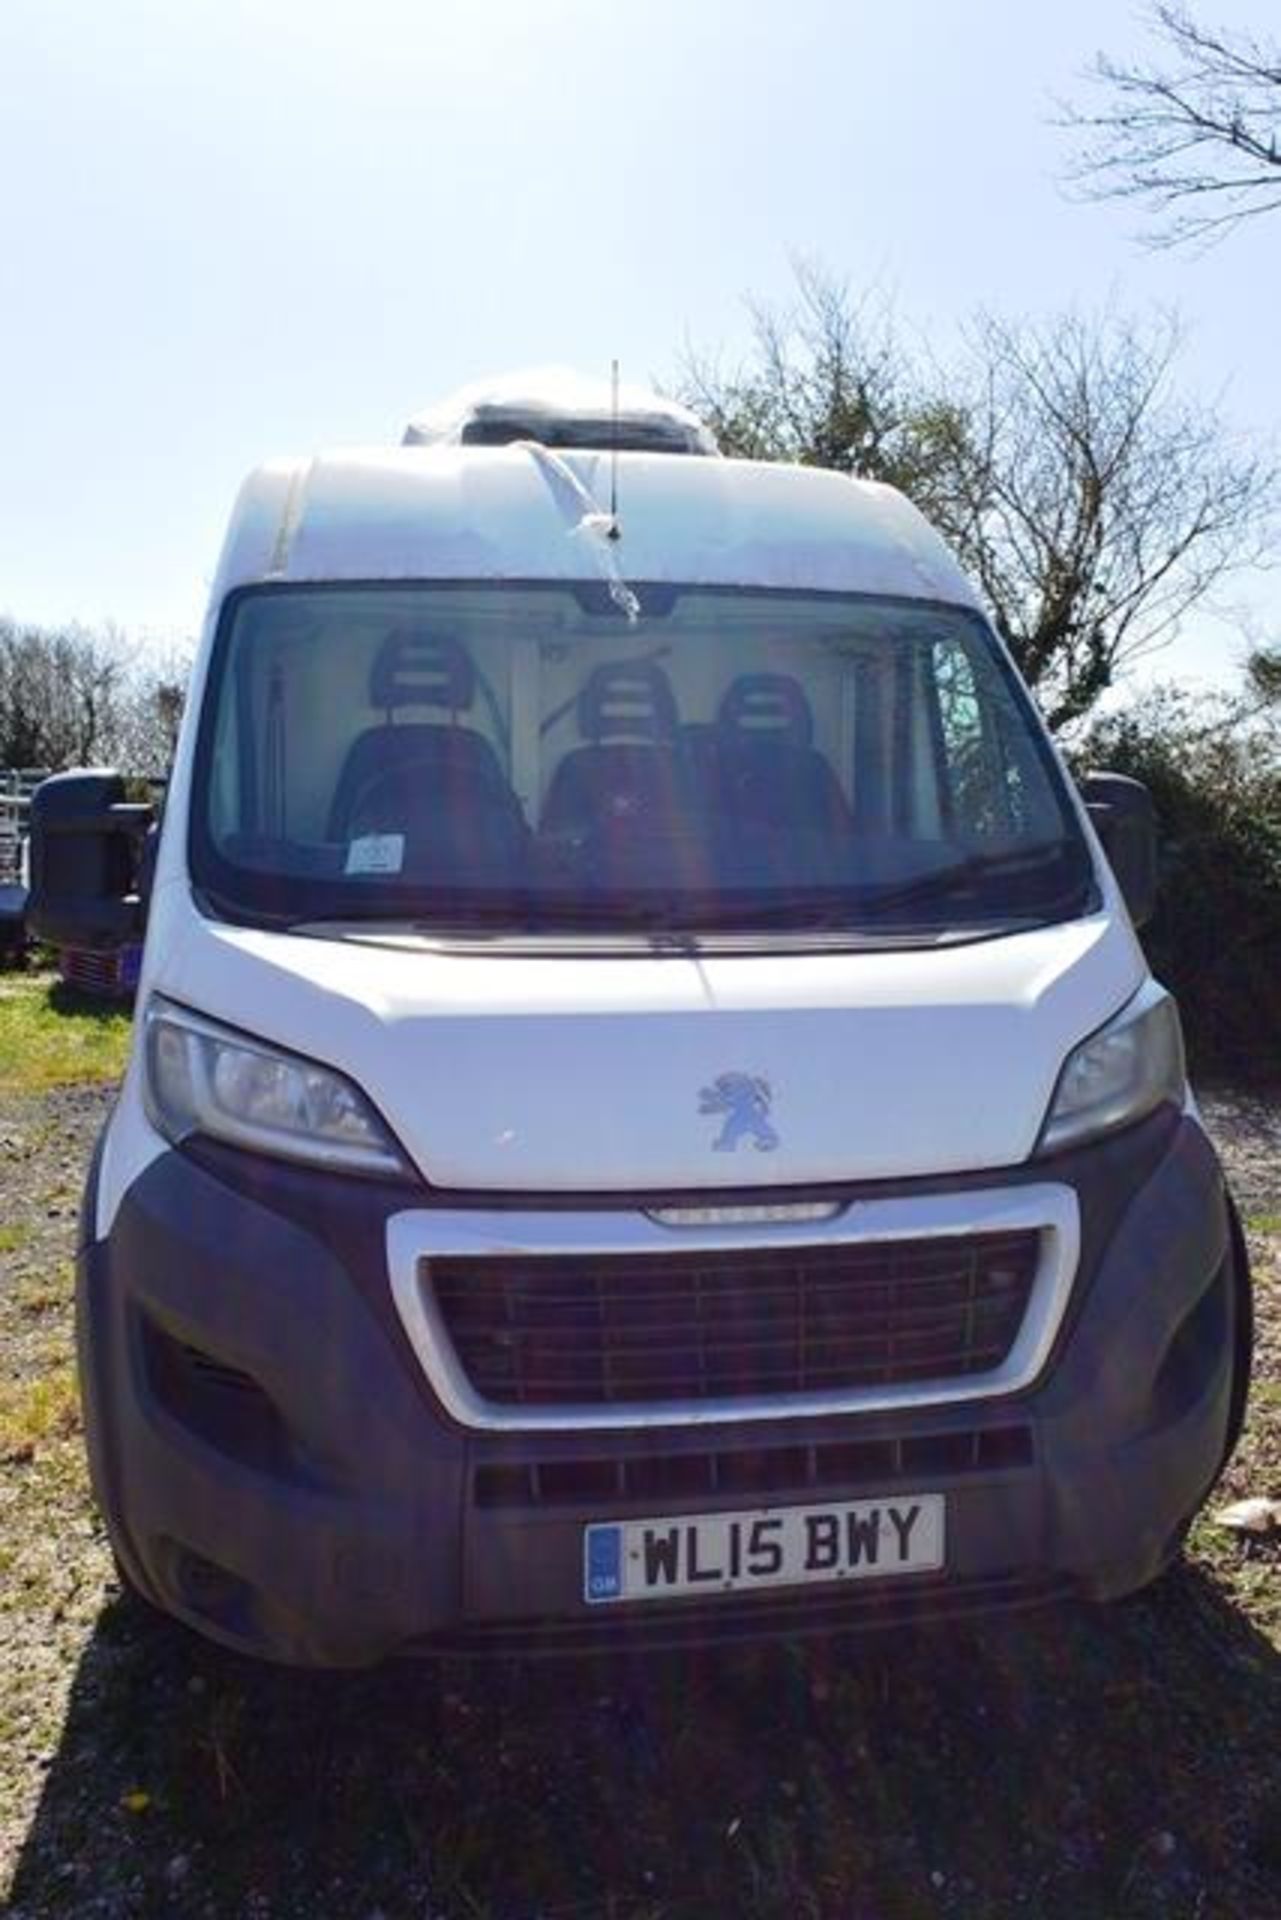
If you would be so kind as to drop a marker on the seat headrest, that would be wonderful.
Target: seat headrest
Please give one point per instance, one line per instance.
(768, 706)
(417, 669)
(627, 701)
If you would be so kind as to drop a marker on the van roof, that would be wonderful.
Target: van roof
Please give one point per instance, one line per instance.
(522, 513)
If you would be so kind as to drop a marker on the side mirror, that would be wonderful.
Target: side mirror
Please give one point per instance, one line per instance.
(86, 849)
(1124, 818)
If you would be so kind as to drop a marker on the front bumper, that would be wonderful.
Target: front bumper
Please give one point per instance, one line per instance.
(275, 1469)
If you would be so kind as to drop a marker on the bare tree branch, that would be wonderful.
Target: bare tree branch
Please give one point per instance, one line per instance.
(70, 697)
(1209, 125)
(1094, 506)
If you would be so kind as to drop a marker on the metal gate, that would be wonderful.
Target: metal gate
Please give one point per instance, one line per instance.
(17, 784)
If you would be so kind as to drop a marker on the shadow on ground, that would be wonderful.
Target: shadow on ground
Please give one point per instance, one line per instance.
(62, 997)
(1123, 1763)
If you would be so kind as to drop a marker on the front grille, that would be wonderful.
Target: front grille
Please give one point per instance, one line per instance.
(620, 1329)
(759, 1472)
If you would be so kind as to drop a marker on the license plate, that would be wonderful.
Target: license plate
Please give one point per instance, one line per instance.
(709, 1553)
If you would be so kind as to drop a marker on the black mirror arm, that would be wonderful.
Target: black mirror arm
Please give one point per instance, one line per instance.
(1124, 818)
(134, 818)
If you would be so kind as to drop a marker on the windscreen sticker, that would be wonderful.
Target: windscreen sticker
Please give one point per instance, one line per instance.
(376, 853)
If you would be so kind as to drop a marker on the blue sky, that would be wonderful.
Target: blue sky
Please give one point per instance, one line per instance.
(229, 231)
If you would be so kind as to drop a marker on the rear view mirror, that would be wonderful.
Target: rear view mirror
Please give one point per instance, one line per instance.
(86, 850)
(1124, 818)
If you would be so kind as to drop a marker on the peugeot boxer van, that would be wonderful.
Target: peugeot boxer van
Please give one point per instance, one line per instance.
(648, 1117)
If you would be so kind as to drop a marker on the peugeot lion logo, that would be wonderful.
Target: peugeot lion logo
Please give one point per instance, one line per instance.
(744, 1099)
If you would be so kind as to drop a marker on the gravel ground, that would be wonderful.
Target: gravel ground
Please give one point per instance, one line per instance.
(1247, 1128)
(45, 1143)
(1126, 1763)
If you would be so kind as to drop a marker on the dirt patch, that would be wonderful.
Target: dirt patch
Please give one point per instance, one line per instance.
(1070, 1767)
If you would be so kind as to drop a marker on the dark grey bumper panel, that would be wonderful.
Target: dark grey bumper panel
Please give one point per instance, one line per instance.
(267, 1467)
(274, 1468)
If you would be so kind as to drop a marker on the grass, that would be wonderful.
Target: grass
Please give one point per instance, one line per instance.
(13, 1237)
(34, 1412)
(53, 1037)
(42, 1292)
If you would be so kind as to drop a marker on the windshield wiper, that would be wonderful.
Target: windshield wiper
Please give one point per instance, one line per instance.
(974, 867)
(579, 913)
(850, 908)
(507, 913)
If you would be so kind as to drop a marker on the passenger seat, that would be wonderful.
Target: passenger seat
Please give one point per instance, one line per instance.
(630, 775)
(771, 775)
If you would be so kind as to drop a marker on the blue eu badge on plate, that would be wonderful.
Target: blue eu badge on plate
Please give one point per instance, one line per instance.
(603, 1571)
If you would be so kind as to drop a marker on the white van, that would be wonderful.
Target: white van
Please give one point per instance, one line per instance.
(648, 1116)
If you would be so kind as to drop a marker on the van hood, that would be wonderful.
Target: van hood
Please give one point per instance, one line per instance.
(564, 1072)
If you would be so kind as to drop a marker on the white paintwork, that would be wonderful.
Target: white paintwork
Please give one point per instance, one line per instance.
(414, 1238)
(519, 1072)
(129, 1145)
(569, 1071)
(490, 513)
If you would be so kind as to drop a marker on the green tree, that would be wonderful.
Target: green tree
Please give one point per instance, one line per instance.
(1213, 768)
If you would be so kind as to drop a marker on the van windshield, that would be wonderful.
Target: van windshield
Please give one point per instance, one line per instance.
(526, 757)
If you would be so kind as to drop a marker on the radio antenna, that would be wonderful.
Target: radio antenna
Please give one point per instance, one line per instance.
(615, 532)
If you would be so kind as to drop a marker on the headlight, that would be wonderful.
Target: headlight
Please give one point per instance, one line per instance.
(204, 1078)
(1124, 1071)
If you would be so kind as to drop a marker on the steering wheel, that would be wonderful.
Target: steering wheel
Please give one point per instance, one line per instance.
(487, 829)
(406, 770)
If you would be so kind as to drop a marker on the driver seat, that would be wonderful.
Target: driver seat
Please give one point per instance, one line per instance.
(438, 783)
